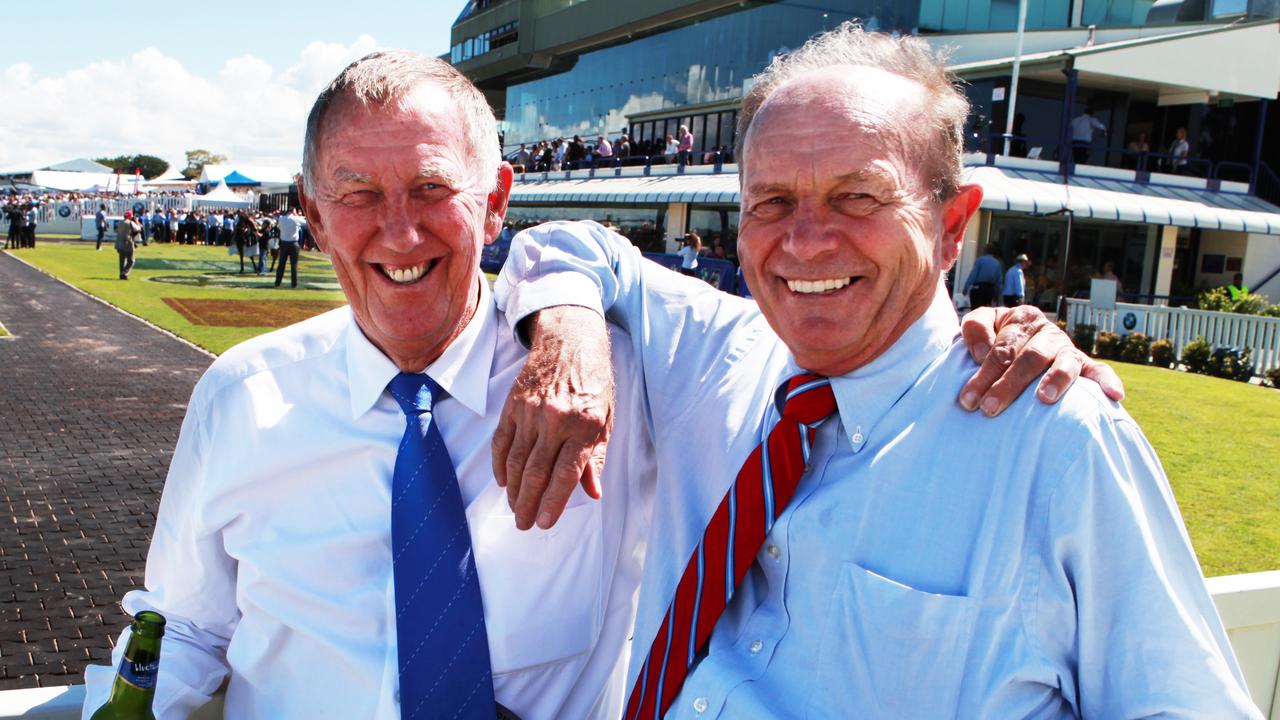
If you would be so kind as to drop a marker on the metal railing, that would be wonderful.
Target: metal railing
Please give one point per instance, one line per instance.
(601, 167)
(1258, 333)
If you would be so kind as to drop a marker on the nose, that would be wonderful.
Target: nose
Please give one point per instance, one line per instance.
(399, 224)
(814, 232)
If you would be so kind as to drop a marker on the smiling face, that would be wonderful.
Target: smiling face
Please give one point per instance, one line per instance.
(402, 211)
(841, 240)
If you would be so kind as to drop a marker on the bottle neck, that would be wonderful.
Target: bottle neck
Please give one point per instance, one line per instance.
(135, 684)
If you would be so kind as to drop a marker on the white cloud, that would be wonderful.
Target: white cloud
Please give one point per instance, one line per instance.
(149, 103)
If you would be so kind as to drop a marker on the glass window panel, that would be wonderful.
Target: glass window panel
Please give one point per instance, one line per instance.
(699, 129)
(643, 226)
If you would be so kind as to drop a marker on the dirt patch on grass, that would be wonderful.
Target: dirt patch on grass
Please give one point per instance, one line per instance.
(249, 313)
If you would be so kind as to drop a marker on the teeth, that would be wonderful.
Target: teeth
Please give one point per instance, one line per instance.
(405, 275)
(817, 286)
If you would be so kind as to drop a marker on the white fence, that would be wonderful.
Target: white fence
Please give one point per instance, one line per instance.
(1259, 334)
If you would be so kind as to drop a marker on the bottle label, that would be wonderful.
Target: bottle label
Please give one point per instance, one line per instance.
(141, 675)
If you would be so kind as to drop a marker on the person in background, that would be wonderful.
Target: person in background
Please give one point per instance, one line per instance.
(1015, 281)
(1237, 288)
(685, 148)
(1179, 149)
(290, 226)
(672, 149)
(690, 248)
(1082, 127)
(128, 230)
(100, 223)
(984, 279)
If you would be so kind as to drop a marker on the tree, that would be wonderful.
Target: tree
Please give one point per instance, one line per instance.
(197, 159)
(151, 166)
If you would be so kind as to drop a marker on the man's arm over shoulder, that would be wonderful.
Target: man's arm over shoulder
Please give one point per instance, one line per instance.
(679, 326)
(190, 580)
(1120, 569)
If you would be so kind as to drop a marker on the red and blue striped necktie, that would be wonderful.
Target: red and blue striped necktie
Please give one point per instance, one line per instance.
(764, 486)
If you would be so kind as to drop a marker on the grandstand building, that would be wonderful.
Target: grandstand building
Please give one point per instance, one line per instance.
(558, 68)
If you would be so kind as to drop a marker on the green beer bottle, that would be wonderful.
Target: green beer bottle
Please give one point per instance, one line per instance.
(135, 684)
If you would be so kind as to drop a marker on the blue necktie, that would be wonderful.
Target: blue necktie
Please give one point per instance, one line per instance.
(440, 633)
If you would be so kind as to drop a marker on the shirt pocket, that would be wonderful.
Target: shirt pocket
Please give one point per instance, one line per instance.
(542, 588)
(889, 650)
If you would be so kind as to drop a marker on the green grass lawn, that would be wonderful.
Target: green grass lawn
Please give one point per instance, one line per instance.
(181, 273)
(1218, 442)
(1216, 438)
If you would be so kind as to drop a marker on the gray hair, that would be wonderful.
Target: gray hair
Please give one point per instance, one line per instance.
(907, 56)
(382, 78)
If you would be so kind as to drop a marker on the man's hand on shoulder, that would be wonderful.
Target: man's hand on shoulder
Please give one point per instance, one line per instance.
(1015, 346)
(555, 426)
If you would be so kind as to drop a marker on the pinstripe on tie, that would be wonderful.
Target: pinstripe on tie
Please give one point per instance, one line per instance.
(441, 641)
(729, 545)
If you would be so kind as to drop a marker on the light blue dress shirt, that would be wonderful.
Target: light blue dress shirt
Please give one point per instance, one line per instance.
(1015, 282)
(985, 269)
(933, 562)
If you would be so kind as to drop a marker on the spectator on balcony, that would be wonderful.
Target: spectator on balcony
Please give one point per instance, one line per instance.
(1237, 288)
(1015, 282)
(604, 151)
(522, 159)
(576, 152)
(1179, 151)
(558, 157)
(686, 146)
(672, 149)
(984, 279)
(1018, 143)
(624, 146)
(1082, 128)
(1136, 148)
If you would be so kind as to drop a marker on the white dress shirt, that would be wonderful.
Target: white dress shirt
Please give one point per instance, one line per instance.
(932, 562)
(271, 556)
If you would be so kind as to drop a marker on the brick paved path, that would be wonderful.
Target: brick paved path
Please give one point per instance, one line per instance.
(90, 405)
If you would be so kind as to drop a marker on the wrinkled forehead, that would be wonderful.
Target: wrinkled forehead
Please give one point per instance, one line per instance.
(843, 99)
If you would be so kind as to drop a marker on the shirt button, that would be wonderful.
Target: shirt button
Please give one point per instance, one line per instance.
(700, 705)
(756, 647)
(857, 438)
(775, 552)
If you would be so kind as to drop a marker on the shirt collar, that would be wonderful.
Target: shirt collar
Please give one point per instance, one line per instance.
(865, 395)
(462, 370)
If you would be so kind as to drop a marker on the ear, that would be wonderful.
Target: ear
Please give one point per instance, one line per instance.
(312, 213)
(956, 214)
(497, 206)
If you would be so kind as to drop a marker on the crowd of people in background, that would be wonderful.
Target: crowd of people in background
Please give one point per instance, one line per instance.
(22, 214)
(577, 154)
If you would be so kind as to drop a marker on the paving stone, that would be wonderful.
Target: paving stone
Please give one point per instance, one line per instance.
(83, 455)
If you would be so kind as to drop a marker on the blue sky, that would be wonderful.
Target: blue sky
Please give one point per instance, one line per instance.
(97, 78)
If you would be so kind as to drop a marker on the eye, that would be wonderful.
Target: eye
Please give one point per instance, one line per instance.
(856, 202)
(771, 207)
(359, 198)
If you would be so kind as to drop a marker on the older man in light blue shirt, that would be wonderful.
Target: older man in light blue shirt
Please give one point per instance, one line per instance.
(910, 574)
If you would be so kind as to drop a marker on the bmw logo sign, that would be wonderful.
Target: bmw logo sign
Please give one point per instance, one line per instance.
(64, 211)
(1130, 321)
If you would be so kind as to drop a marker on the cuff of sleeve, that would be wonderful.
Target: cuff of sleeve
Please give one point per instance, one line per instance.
(562, 288)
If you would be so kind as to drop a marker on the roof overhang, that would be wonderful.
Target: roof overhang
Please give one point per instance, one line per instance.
(1239, 62)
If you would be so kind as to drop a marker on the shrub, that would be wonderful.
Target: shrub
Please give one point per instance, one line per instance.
(1231, 364)
(1162, 353)
(1251, 305)
(1109, 345)
(1217, 299)
(1272, 311)
(1136, 348)
(1083, 337)
(1195, 356)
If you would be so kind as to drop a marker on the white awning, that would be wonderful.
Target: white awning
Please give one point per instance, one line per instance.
(719, 189)
(1030, 191)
